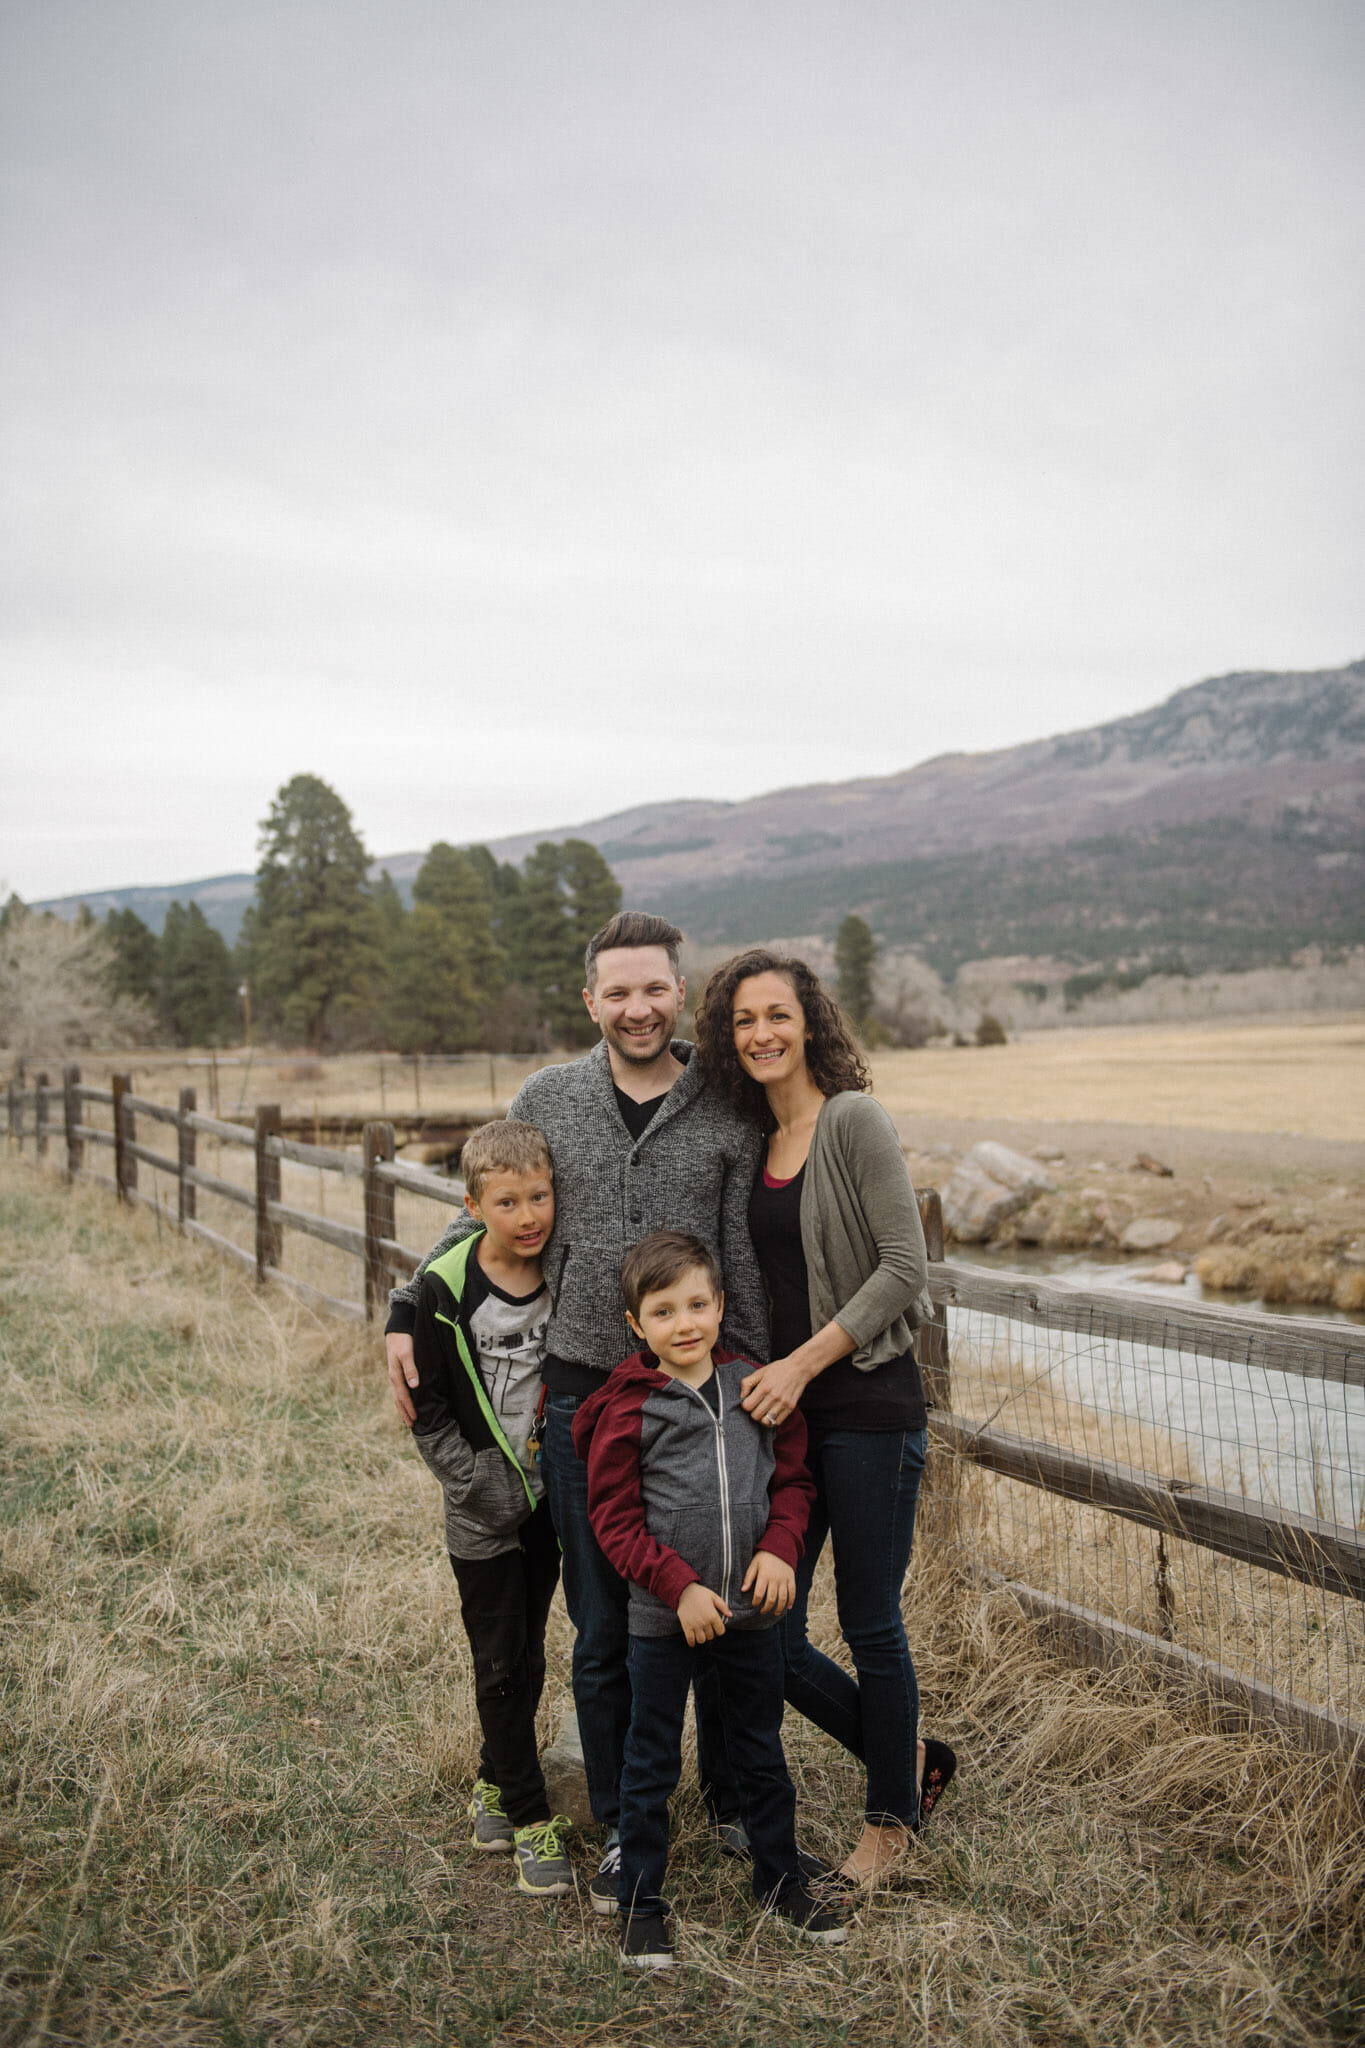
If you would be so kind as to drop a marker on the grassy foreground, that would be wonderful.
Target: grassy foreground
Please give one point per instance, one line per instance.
(236, 1740)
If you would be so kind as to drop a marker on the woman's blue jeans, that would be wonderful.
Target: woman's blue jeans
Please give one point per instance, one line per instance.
(866, 1486)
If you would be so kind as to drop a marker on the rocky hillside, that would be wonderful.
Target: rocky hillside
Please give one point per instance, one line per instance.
(1224, 827)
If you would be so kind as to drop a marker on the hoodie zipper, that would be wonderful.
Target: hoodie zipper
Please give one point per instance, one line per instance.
(716, 1417)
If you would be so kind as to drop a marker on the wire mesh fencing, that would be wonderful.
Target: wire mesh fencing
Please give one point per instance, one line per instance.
(1177, 1481)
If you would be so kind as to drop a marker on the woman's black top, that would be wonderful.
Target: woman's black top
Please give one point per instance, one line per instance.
(841, 1397)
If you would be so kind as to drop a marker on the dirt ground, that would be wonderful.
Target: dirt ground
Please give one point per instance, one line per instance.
(1262, 1124)
(1276, 1198)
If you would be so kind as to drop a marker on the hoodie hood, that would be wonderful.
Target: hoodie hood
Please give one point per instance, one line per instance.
(635, 1371)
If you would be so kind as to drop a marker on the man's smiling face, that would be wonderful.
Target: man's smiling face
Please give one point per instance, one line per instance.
(634, 1000)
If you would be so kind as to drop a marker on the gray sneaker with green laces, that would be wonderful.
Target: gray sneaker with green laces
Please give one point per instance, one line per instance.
(543, 1869)
(492, 1828)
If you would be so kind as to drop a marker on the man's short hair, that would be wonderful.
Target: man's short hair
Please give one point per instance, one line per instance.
(660, 1260)
(505, 1146)
(632, 928)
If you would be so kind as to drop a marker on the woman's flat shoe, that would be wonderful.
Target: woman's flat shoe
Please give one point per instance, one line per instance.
(939, 1765)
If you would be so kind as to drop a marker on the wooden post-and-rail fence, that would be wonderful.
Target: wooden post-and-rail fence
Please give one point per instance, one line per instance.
(1303, 1547)
(64, 1111)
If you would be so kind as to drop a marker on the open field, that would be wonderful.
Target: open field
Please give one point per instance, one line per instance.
(1263, 1123)
(236, 1740)
(1304, 1076)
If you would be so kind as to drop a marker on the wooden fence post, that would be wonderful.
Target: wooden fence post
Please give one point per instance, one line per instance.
(125, 1166)
(185, 1206)
(933, 1338)
(75, 1144)
(40, 1115)
(937, 1517)
(377, 1140)
(268, 1234)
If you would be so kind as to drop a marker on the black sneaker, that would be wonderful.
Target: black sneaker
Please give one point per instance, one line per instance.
(644, 1942)
(810, 1916)
(604, 1887)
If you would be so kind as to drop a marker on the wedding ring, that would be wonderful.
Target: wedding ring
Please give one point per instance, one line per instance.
(771, 1417)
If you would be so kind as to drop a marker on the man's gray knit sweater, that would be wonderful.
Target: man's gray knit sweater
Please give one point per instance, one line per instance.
(690, 1169)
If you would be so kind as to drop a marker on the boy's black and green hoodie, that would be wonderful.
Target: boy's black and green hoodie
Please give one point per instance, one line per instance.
(488, 1494)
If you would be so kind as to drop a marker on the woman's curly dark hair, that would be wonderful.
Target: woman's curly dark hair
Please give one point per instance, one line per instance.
(832, 1053)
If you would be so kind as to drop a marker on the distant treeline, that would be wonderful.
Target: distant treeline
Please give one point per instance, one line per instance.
(488, 955)
(1219, 893)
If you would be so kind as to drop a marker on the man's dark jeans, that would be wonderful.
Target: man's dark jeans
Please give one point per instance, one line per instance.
(866, 1486)
(596, 1597)
(746, 1667)
(505, 1601)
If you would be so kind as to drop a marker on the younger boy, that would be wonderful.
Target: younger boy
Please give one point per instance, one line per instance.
(478, 1344)
(702, 1510)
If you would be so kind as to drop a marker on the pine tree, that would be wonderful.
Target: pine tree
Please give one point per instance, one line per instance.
(855, 956)
(137, 955)
(448, 967)
(314, 941)
(389, 908)
(567, 891)
(198, 997)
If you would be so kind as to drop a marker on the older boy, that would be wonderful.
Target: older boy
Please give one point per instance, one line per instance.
(702, 1511)
(478, 1342)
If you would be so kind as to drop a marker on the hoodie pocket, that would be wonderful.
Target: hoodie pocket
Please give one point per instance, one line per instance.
(695, 1533)
(495, 1497)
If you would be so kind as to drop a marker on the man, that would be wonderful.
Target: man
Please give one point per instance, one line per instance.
(636, 1147)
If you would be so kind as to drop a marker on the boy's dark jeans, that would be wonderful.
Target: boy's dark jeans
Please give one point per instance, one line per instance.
(505, 1601)
(597, 1597)
(747, 1668)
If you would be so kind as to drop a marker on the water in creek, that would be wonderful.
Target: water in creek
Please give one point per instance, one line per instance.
(1279, 1438)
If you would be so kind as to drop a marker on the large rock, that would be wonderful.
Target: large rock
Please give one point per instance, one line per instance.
(1013, 1170)
(1149, 1234)
(975, 1205)
(988, 1185)
(566, 1781)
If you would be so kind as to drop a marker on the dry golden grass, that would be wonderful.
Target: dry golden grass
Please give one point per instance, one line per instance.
(237, 1739)
(369, 1083)
(1305, 1075)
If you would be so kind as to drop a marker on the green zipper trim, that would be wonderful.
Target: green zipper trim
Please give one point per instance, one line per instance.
(449, 1273)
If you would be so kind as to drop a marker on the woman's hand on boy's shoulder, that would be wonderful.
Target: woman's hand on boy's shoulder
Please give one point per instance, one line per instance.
(772, 1582)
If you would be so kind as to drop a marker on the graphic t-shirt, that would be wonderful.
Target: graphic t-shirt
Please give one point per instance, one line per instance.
(509, 1330)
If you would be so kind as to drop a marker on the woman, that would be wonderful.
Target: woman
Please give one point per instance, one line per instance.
(836, 1228)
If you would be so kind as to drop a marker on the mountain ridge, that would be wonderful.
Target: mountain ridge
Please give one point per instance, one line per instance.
(1277, 755)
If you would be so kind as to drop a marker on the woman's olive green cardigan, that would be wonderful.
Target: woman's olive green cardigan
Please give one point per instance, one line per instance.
(861, 1232)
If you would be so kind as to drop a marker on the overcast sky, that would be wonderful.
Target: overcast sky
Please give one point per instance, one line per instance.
(513, 412)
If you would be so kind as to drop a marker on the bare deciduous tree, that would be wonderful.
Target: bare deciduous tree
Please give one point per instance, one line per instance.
(56, 991)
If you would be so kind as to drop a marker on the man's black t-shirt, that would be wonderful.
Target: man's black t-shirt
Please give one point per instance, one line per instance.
(636, 1116)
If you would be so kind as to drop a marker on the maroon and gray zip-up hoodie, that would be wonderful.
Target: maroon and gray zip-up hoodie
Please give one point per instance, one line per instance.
(677, 1492)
